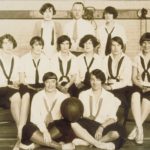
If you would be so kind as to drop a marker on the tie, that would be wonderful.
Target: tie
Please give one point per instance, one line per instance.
(75, 34)
(52, 40)
(108, 44)
(36, 71)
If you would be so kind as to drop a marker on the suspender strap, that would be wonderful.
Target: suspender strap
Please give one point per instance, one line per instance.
(118, 68)
(52, 38)
(62, 70)
(108, 43)
(36, 71)
(41, 32)
(11, 70)
(88, 67)
(145, 72)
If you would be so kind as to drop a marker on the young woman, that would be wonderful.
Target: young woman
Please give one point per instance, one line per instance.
(88, 61)
(64, 65)
(141, 80)
(109, 30)
(9, 84)
(118, 74)
(33, 66)
(95, 101)
(50, 30)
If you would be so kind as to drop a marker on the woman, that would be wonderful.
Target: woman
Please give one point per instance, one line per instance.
(141, 80)
(95, 101)
(88, 61)
(45, 108)
(9, 84)
(118, 74)
(64, 65)
(109, 30)
(34, 65)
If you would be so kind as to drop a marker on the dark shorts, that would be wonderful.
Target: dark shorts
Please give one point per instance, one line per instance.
(67, 134)
(5, 94)
(143, 95)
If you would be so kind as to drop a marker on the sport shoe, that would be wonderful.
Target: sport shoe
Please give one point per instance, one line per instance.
(139, 137)
(80, 142)
(28, 147)
(107, 146)
(133, 134)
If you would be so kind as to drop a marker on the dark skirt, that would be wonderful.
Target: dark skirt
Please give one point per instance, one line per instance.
(5, 94)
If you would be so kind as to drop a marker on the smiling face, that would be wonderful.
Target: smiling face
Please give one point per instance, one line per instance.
(48, 14)
(7, 45)
(146, 46)
(50, 85)
(88, 46)
(77, 11)
(116, 48)
(96, 84)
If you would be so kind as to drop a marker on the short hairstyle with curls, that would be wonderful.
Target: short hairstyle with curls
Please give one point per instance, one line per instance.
(10, 38)
(144, 37)
(118, 40)
(49, 75)
(61, 39)
(87, 37)
(36, 39)
(99, 75)
(47, 6)
(110, 10)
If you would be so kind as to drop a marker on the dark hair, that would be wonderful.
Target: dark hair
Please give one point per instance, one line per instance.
(37, 39)
(78, 3)
(47, 6)
(49, 75)
(89, 37)
(110, 10)
(61, 39)
(99, 75)
(118, 40)
(10, 38)
(144, 37)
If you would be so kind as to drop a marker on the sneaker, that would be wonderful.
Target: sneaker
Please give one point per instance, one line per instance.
(28, 147)
(139, 137)
(133, 134)
(80, 142)
(107, 146)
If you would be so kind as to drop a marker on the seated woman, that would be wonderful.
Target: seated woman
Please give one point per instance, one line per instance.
(64, 65)
(101, 106)
(141, 80)
(45, 108)
(118, 74)
(34, 65)
(9, 83)
(88, 61)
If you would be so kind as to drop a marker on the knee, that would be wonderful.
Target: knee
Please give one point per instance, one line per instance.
(15, 98)
(114, 134)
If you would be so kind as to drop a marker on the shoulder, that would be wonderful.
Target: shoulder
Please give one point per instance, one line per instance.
(38, 96)
(85, 93)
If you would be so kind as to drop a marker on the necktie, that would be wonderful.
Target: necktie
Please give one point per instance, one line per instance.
(108, 44)
(52, 39)
(75, 32)
(36, 71)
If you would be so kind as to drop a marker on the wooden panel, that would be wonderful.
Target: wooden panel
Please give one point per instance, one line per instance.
(61, 14)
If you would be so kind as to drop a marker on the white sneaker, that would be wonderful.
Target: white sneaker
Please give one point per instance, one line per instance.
(80, 142)
(107, 146)
(28, 147)
(132, 134)
(139, 137)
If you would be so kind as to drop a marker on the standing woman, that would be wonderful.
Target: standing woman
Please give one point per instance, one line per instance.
(118, 74)
(88, 61)
(34, 65)
(109, 30)
(64, 65)
(9, 83)
(141, 80)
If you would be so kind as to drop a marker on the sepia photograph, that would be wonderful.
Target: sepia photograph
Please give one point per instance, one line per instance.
(74, 74)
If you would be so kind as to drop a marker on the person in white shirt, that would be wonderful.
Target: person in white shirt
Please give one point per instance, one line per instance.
(64, 65)
(50, 30)
(141, 80)
(45, 108)
(118, 75)
(34, 65)
(101, 106)
(109, 30)
(9, 84)
(87, 61)
(78, 27)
